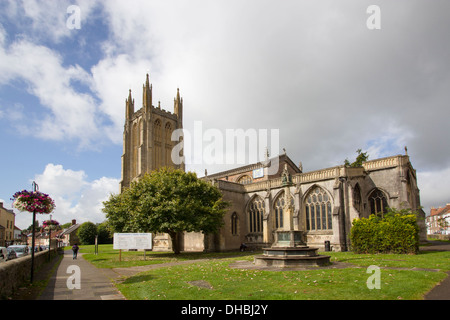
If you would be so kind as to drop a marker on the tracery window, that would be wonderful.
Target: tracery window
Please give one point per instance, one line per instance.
(168, 133)
(318, 210)
(279, 205)
(279, 208)
(378, 202)
(158, 130)
(245, 179)
(256, 214)
(357, 203)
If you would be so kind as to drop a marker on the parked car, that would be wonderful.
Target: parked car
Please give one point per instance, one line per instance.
(21, 250)
(11, 254)
(7, 254)
(3, 254)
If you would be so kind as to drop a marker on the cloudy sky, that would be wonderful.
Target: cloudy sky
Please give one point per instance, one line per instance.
(311, 69)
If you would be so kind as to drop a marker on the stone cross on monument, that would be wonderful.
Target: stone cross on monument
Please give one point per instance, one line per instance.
(288, 210)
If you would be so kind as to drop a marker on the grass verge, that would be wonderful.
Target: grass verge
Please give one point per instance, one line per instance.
(402, 276)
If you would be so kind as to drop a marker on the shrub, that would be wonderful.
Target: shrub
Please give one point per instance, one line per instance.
(86, 233)
(396, 232)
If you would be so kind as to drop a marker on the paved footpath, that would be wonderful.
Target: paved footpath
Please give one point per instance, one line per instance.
(86, 282)
(442, 290)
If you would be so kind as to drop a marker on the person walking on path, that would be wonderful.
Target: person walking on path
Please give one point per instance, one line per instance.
(75, 251)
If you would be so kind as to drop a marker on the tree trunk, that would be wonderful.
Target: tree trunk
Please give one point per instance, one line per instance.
(174, 236)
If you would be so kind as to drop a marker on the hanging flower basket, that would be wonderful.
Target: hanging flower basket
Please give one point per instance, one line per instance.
(50, 224)
(33, 201)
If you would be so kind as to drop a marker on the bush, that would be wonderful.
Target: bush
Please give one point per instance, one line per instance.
(396, 232)
(86, 233)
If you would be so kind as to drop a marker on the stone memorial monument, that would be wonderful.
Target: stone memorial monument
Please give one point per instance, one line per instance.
(289, 248)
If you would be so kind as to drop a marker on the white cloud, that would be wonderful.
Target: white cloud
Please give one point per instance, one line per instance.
(46, 20)
(433, 191)
(73, 115)
(75, 196)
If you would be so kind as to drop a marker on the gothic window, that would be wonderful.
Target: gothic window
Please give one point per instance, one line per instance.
(255, 215)
(168, 132)
(157, 129)
(135, 146)
(318, 210)
(234, 224)
(279, 205)
(378, 202)
(168, 144)
(157, 159)
(245, 179)
(357, 198)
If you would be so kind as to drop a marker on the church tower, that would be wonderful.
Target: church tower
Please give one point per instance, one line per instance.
(147, 133)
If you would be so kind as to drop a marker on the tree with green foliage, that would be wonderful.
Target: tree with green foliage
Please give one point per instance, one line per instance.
(104, 233)
(362, 156)
(167, 201)
(87, 232)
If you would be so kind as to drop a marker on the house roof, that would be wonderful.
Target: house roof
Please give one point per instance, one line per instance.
(440, 211)
(71, 229)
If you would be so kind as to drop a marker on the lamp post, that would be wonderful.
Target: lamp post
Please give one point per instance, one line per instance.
(50, 240)
(35, 202)
(35, 188)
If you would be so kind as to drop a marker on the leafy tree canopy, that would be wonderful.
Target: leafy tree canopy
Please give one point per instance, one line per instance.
(87, 232)
(362, 156)
(168, 201)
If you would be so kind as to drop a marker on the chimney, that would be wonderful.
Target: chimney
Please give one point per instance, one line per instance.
(74, 222)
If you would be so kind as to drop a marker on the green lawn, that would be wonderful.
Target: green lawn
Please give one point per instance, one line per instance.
(401, 277)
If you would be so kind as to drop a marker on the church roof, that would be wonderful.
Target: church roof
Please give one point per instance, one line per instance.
(250, 167)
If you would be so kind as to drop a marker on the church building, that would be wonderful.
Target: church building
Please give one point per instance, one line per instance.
(322, 203)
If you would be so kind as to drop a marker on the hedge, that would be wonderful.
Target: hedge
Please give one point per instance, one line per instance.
(394, 233)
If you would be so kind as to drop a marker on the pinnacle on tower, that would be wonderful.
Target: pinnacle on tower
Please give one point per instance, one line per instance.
(178, 105)
(129, 106)
(147, 94)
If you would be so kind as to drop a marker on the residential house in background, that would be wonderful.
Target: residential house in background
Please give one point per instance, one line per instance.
(438, 222)
(7, 221)
(69, 236)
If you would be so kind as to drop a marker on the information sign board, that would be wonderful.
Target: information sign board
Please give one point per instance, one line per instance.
(126, 241)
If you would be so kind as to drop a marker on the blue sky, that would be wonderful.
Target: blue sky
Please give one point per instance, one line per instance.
(313, 70)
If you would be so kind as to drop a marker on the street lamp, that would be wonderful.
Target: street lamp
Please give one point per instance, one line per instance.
(35, 188)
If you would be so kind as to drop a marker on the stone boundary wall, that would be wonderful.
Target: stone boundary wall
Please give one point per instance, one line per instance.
(14, 273)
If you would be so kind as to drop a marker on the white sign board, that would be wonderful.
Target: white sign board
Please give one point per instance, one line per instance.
(258, 173)
(126, 241)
